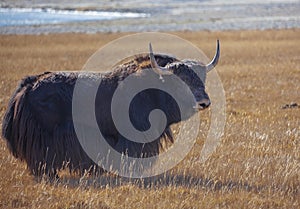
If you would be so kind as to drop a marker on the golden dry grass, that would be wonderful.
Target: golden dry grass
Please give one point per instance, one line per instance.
(257, 164)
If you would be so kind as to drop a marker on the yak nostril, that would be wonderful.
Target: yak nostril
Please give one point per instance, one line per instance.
(204, 103)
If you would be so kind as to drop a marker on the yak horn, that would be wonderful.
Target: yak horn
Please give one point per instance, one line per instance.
(158, 69)
(215, 60)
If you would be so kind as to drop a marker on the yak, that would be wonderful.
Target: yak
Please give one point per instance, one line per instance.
(38, 125)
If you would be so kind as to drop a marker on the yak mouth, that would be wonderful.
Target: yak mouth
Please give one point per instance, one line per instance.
(202, 104)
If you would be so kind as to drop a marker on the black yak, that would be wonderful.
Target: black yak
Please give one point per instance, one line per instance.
(38, 125)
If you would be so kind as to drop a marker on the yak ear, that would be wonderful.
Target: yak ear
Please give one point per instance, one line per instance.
(158, 69)
(215, 60)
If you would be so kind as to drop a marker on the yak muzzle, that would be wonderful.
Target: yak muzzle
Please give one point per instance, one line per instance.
(203, 104)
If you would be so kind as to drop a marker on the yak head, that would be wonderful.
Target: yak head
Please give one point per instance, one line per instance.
(192, 72)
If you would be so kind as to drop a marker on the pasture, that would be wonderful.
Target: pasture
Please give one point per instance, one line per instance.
(256, 165)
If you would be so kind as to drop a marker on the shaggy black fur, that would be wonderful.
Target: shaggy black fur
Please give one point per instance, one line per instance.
(38, 124)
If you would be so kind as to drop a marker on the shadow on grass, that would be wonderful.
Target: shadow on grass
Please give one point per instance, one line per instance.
(164, 180)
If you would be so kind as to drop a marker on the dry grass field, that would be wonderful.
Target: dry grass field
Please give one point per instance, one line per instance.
(256, 165)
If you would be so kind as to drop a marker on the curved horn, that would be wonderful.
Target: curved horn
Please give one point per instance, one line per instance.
(158, 69)
(215, 60)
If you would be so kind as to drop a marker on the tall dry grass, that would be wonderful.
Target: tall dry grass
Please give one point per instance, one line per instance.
(256, 165)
